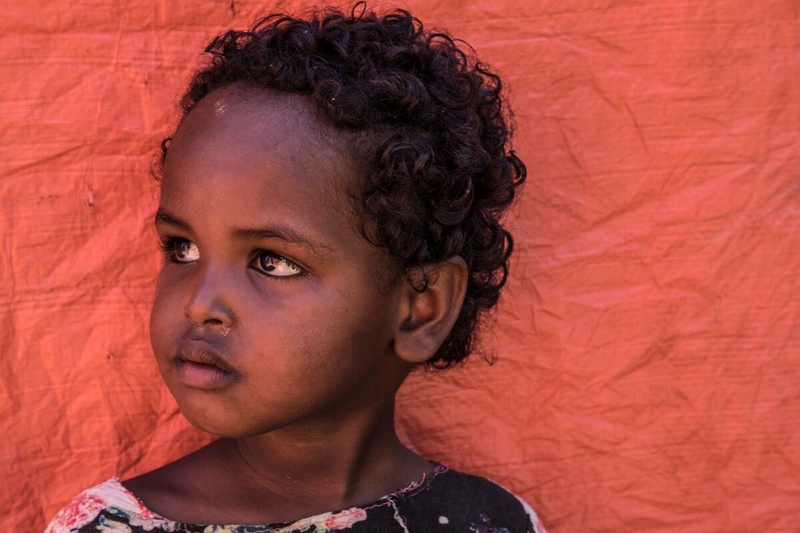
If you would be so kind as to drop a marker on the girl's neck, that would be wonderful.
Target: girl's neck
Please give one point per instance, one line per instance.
(346, 465)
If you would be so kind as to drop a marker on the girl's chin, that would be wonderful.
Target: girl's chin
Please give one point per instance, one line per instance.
(221, 422)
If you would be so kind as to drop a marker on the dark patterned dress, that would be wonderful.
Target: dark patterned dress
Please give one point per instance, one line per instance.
(447, 501)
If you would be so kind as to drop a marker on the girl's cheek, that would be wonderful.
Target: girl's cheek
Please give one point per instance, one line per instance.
(166, 310)
(170, 284)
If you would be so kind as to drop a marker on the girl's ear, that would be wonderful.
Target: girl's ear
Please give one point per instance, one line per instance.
(428, 316)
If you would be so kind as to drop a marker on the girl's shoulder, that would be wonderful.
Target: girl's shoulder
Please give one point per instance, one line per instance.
(448, 500)
(109, 498)
(474, 503)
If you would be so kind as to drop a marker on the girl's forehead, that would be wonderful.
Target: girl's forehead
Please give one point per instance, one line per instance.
(256, 156)
(253, 127)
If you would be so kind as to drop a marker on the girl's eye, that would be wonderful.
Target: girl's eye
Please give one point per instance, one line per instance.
(181, 250)
(275, 265)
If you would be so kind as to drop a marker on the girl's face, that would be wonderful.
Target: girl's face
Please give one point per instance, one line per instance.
(271, 309)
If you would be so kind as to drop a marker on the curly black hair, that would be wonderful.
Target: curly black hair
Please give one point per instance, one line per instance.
(440, 171)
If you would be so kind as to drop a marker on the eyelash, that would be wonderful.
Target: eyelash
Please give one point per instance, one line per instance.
(169, 247)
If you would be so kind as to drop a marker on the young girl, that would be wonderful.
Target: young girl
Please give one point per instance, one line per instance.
(329, 215)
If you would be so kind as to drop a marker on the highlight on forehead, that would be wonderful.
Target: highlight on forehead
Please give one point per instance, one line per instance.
(219, 107)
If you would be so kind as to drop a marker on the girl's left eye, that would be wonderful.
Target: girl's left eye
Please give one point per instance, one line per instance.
(275, 265)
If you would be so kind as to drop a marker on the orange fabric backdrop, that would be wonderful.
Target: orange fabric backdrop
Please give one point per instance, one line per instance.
(648, 341)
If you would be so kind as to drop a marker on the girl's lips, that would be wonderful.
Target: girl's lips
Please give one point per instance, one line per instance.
(203, 370)
(202, 376)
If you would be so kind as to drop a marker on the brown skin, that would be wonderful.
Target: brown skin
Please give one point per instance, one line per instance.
(315, 339)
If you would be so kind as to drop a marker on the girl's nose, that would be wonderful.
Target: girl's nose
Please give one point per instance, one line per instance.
(208, 305)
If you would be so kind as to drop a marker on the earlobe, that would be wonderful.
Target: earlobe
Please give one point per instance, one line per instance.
(428, 316)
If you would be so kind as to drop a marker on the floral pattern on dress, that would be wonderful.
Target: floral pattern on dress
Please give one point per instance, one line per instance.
(82, 509)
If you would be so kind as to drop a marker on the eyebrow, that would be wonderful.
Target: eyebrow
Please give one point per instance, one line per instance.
(282, 233)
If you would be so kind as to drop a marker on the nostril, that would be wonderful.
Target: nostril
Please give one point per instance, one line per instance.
(216, 325)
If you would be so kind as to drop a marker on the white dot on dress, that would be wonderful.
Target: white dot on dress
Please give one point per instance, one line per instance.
(443, 520)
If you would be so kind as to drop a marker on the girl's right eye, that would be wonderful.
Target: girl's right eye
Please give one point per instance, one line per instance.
(180, 250)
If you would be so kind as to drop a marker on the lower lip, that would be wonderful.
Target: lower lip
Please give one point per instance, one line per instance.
(202, 376)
